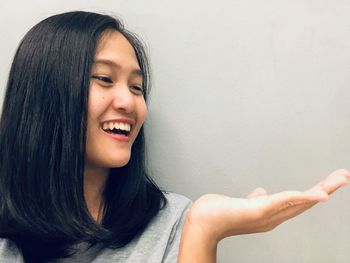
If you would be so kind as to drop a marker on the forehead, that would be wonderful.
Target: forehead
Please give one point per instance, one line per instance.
(114, 46)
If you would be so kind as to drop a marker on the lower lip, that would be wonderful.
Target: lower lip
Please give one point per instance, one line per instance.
(118, 137)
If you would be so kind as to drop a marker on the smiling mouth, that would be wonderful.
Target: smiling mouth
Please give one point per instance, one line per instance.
(117, 128)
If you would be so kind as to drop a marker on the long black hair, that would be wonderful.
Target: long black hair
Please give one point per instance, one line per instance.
(42, 145)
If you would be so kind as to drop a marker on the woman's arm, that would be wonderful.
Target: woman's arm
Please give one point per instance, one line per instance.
(214, 217)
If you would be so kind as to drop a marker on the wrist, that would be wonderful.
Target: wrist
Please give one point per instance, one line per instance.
(200, 232)
(196, 245)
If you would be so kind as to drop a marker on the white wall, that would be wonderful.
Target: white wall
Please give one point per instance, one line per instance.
(246, 93)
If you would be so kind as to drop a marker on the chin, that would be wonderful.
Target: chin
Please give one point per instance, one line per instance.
(119, 162)
(111, 159)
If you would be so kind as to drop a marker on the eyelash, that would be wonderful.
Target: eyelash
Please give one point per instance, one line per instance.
(108, 81)
(104, 79)
(138, 89)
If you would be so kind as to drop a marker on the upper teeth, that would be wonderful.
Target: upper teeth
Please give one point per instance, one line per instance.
(116, 125)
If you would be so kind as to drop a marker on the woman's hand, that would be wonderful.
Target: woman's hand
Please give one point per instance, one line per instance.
(214, 217)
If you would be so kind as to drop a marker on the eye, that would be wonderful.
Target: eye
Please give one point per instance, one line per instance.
(103, 79)
(137, 89)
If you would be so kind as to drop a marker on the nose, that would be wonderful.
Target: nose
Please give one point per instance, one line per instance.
(124, 100)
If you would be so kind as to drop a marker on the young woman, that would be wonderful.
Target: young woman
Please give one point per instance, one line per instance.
(73, 185)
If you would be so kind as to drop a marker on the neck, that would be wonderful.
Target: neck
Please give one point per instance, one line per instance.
(94, 182)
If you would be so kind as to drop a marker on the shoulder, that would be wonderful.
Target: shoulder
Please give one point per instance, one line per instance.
(171, 214)
(176, 203)
(159, 242)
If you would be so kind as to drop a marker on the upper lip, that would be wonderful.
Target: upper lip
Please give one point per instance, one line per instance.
(123, 120)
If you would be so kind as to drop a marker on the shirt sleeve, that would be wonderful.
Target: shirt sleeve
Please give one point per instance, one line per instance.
(172, 249)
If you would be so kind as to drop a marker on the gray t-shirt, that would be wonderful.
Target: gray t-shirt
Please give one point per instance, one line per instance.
(158, 243)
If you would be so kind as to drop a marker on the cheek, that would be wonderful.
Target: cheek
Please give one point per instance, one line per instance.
(142, 111)
(96, 105)
(141, 116)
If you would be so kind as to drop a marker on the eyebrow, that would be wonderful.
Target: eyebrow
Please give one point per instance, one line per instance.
(111, 63)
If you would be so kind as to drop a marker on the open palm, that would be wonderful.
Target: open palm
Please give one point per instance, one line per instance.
(218, 216)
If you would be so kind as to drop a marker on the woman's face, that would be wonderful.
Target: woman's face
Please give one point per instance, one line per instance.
(116, 107)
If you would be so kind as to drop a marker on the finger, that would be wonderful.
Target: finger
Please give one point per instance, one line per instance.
(258, 192)
(289, 213)
(286, 205)
(345, 172)
(286, 199)
(295, 204)
(333, 182)
(321, 195)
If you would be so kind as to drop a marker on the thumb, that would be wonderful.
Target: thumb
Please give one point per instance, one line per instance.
(258, 192)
